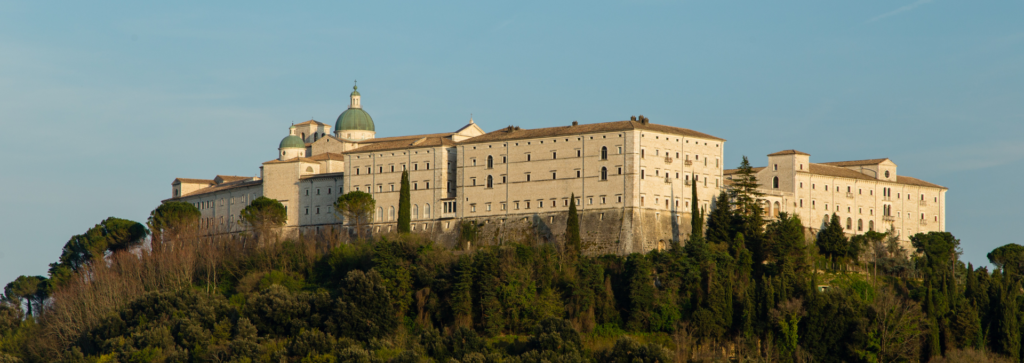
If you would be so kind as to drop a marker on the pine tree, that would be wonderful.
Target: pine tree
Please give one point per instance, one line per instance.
(404, 206)
(572, 230)
(719, 220)
(832, 240)
(745, 194)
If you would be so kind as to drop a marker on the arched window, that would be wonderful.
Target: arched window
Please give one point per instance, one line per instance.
(391, 213)
(490, 162)
(309, 169)
(860, 224)
(426, 211)
(380, 213)
(775, 182)
(604, 153)
(604, 173)
(490, 181)
(415, 211)
(871, 225)
(849, 223)
(776, 209)
(303, 136)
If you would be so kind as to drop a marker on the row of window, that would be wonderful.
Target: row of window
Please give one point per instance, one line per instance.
(415, 209)
(244, 199)
(391, 168)
(886, 192)
(656, 202)
(391, 187)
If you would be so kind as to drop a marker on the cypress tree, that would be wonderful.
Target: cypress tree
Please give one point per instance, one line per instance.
(696, 219)
(572, 230)
(719, 220)
(404, 206)
(744, 190)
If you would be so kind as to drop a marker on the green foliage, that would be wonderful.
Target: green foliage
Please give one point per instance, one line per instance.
(745, 193)
(32, 290)
(1009, 257)
(357, 208)
(404, 206)
(720, 220)
(629, 350)
(832, 241)
(264, 213)
(573, 245)
(172, 215)
(112, 234)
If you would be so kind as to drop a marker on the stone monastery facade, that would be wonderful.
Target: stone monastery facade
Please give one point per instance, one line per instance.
(632, 182)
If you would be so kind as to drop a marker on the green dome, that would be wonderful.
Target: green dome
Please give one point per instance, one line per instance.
(354, 119)
(292, 141)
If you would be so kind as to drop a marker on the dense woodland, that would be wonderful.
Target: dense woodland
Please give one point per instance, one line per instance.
(740, 288)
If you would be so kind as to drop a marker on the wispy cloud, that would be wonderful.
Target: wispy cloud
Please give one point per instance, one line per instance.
(902, 9)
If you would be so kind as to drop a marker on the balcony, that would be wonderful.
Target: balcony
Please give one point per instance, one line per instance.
(849, 195)
(889, 218)
(924, 222)
(922, 202)
(668, 159)
(688, 162)
(688, 182)
(886, 198)
(667, 179)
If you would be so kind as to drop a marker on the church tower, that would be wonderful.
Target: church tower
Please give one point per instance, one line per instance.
(354, 124)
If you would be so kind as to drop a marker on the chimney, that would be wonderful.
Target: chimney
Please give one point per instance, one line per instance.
(575, 123)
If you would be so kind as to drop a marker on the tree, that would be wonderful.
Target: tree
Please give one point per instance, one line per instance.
(1009, 257)
(784, 243)
(832, 240)
(719, 220)
(404, 206)
(30, 289)
(572, 230)
(112, 234)
(357, 208)
(263, 215)
(744, 192)
(173, 217)
(696, 216)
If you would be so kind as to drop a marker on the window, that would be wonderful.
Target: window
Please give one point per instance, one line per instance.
(380, 169)
(641, 153)
(527, 157)
(618, 199)
(392, 168)
(604, 173)
(849, 223)
(490, 162)
(380, 188)
(604, 153)
(641, 200)
(554, 155)
(775, 182)
(503, 160)
(317, 191)
(620, 149)
(357, 171)
(428, 185)
(392, 187)
(473, 180)
(579, 153)
(307, 192)
(801, 203)
(490, 182)
(578, 173)
(474, 162)
(426, 211)
(307, 211)
(391, 213)
(415, 166)
(602, 200)
(527, 177)
(428, 166)
(775, 167)
(554, 176)
(415, 186)
(620, 170)
(641, 173)
(415, 211)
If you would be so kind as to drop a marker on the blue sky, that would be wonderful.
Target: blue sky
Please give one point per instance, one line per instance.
(103, 105)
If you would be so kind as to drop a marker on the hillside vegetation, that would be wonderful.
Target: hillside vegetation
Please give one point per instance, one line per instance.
(746, 290)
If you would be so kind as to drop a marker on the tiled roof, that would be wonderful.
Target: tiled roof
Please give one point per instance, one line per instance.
(857, 162)
(315, 122)
(405, 144)
(915, 181)
(788, 152)
(829, 170)
(192, 181)
(230, 178)
(328, 156)
(734, 171)
(292, 160)
(223, 187)
(510, 133)
(398, 138)
(324, 175)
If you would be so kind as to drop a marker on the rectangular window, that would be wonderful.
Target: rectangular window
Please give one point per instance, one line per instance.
(428, 166)
(618, 199)
(577, 173)
(602, 200)
(554, 176)
(317, 191)
(428, 185)
(527, 177)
